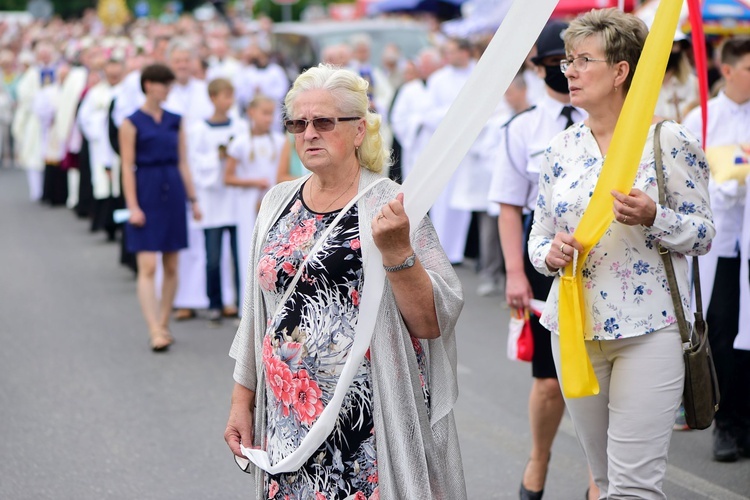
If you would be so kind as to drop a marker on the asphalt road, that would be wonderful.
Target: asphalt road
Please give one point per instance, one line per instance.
(88, 412)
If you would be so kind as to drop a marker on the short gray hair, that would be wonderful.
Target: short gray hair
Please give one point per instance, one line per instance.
(622, 36)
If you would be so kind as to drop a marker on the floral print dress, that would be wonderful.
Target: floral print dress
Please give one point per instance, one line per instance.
(304, 350)
(625, 287)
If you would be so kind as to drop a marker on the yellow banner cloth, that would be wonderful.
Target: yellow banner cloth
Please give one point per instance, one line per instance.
(618, 173)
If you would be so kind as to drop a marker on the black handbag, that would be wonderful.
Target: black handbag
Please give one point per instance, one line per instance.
(700, 396)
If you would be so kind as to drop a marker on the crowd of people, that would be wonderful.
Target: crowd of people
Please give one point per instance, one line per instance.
(176, 140)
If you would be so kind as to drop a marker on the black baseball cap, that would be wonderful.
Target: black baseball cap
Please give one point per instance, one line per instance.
(550, 41)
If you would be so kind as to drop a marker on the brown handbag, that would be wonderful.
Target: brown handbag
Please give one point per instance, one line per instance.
(700, 396)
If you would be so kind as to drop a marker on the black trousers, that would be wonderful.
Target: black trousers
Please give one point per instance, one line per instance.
(732, 365)
(542, 363)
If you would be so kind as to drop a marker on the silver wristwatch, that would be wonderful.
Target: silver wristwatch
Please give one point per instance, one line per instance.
(409, 262)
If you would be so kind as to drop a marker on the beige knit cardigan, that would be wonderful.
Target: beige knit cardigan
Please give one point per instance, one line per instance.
(418, 454)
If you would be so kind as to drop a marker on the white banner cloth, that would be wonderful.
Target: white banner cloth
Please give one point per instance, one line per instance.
(434, 167)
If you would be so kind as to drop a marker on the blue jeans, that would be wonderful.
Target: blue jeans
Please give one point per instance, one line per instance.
(214, 237)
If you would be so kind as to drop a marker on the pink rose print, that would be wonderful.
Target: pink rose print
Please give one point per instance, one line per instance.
(289, 268)
(273, 488)
(359, 496)
(267, 349)
(267, 273)
(375, 494)
(300, 235)
(297, 206)
(307, 404)
(320, 496)
(373, 478)
(355, 297)
(281, 381)
(284, 250)
(355, 244)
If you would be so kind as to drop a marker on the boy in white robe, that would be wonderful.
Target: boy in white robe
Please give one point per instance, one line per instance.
(208, 142)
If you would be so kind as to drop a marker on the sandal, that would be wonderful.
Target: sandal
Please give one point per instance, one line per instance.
(160, 340)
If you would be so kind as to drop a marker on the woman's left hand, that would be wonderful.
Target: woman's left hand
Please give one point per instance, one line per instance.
(390, 231)
(636, 208)
(197, 214)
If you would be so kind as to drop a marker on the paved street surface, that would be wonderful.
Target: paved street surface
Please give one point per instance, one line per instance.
(87, 411)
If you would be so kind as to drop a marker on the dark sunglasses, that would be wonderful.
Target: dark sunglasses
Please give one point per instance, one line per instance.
(320, 124)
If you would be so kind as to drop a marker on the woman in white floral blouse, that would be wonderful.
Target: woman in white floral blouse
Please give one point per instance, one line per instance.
(393, 435)
(631, 332)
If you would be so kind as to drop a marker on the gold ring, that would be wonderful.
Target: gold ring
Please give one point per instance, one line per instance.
(562, 251)
(625, 219)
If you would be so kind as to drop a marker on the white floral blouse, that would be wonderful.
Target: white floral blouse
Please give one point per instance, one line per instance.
(625, 288)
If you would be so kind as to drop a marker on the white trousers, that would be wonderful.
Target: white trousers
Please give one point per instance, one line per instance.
(625, 430)
(35, 179)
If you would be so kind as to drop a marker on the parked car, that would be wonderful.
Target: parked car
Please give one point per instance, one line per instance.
(299, 45)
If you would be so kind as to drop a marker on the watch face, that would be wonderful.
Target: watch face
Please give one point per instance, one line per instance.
(410, 261)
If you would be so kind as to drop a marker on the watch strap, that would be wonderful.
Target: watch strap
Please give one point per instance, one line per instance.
(409, 262)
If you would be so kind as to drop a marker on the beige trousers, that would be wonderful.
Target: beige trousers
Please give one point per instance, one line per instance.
(625, 430)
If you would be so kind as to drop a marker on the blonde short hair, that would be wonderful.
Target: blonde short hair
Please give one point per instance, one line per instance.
(622, 36)
(219, 85)
(350, 93)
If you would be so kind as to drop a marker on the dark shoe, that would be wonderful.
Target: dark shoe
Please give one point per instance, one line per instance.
(725, 445)
(743, 443)
(525, 494)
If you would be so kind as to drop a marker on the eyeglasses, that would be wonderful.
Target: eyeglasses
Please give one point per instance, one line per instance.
(579, 63)
(320, 124)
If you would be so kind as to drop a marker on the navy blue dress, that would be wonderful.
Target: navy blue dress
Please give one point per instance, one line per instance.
(159, 187)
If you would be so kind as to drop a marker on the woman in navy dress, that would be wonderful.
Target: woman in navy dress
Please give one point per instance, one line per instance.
(157, 185)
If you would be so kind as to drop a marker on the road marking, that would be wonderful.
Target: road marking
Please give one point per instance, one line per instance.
(675, 475)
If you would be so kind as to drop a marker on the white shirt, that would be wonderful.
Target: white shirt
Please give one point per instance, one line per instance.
(624, 284)
(227, 68)
(190, 101)
(443, 87)
(92, 118)
(405, 118)
(675, 98)
(728, 123)
(270, 81)
(523, 140)
(217, 201)
(129, 97)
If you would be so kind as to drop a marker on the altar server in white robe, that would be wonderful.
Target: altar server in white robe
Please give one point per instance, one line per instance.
(252, 168)
(451, 225)
(189, 98)
(408, 106)
(725, 280)
(221, 64)
(208, 142)
(105, 164)
(64, 125)
(262, 76)
(26, 129)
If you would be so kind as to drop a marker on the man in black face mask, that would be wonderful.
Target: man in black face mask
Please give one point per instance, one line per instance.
(514, 187)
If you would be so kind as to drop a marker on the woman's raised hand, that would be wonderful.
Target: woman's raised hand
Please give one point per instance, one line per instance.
(390, 231)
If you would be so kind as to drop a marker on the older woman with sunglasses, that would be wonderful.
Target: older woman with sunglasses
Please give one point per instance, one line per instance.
(394, 434)
(631, 333)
